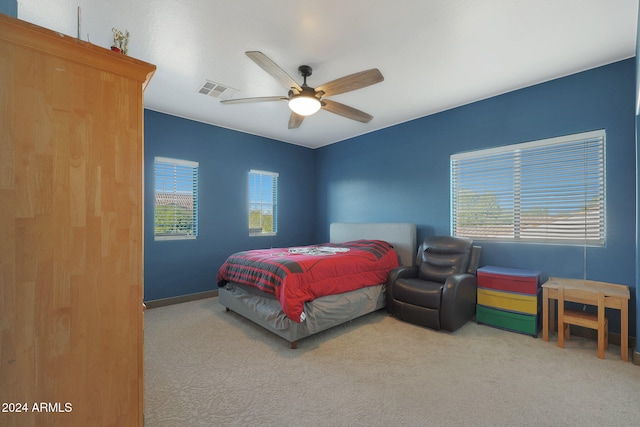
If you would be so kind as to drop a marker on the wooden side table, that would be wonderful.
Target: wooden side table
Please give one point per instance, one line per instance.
(615, 296)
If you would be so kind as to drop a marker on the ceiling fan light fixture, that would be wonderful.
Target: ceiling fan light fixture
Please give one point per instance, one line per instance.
(304, 105)
(304, 100)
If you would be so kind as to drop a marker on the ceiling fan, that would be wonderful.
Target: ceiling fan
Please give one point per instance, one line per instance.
(304, 100)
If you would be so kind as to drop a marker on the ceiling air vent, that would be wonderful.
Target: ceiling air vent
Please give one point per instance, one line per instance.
(216, 90)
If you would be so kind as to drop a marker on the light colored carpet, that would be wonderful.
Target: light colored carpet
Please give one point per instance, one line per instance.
(208, 367)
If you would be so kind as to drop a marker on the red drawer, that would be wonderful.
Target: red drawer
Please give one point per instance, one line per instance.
(509, 279)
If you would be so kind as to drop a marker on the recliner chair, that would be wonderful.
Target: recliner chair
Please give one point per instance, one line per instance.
(439, 292)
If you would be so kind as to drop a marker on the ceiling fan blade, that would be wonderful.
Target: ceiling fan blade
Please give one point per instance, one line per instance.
(346, 111)
(273, 69)
(295, 120)
(257, 99)
(351, 82)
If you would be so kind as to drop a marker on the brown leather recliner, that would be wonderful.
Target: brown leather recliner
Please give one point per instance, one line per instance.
(440, 290)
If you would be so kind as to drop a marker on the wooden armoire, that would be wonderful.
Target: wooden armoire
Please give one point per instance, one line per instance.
(71, 231)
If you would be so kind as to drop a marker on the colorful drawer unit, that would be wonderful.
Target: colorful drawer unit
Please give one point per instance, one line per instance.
(509, 299)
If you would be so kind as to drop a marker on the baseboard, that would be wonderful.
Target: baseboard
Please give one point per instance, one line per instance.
(180, 299)
(636, 358)
(593, 334)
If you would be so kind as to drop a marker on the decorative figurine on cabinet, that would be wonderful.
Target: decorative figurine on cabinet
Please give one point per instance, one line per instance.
(120, 41)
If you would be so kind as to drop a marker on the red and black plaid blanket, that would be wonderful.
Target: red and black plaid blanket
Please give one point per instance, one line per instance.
(298, 275)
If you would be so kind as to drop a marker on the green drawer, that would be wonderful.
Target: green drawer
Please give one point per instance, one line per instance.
(523, 323)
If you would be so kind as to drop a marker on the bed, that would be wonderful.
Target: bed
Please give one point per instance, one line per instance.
(326, 311)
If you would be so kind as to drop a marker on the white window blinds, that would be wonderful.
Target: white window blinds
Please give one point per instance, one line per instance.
(550, 191)
(176, 199)
(263, 203)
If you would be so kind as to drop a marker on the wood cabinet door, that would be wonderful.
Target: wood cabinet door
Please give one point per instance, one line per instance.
(71, 247)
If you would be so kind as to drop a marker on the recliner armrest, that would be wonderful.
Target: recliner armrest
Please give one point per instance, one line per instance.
(458, 303)
(403, 272)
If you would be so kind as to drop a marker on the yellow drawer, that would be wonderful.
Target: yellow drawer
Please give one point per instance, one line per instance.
(508, 301)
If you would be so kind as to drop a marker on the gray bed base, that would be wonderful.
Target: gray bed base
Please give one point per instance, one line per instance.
(328, 311)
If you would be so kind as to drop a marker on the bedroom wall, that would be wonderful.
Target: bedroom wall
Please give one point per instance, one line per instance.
(9, 7)
(636, 356)
(402, 173)
(182, 267)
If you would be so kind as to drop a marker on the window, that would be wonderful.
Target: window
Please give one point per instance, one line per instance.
(176, 204)
(263, 203)
(550, 191)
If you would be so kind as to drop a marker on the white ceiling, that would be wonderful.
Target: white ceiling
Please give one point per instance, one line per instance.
(434, 54)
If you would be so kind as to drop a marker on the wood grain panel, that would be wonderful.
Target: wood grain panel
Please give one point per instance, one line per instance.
(71, 158)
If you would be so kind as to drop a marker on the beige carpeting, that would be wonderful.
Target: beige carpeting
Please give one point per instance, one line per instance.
(208, 367)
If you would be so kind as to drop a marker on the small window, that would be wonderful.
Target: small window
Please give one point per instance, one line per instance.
(176, 202)
(548, 191)
(263, 203)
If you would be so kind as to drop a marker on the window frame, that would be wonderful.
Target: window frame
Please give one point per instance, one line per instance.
(172, 194)
(273, 176)
(559, 194)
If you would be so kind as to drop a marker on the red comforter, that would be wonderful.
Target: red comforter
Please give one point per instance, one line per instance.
(298, 275)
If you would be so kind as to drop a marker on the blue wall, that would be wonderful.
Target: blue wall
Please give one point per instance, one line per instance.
(181, 267)
(402, 173)
(636, 356)
(9, 7)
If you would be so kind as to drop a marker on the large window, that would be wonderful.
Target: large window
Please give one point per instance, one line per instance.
(263, 203)
(550, 191)
(176, 201)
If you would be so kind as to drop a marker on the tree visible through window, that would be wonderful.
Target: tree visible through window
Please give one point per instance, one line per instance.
(550, 191)
(176, 199)
(263, 203)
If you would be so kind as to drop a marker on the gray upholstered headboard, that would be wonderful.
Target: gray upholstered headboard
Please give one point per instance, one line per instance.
(401, 235)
